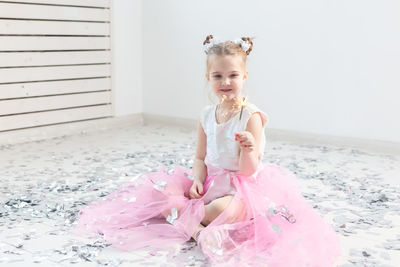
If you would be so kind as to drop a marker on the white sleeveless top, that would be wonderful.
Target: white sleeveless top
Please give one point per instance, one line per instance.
(222, 149)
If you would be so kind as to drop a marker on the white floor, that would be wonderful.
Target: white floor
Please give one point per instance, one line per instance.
(43, 185)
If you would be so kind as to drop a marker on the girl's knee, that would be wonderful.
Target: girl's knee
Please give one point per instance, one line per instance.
(223, 203)
(215, 208)
(234, 212)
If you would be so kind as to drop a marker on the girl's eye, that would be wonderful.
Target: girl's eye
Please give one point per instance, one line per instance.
(219, 76)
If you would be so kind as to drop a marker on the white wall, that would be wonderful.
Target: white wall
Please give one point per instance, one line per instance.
(127, 56)
(328, 67)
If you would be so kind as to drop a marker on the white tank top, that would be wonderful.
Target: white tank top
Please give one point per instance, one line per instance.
(222, 149)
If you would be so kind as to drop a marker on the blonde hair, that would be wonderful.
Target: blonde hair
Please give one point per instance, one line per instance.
(227, 48)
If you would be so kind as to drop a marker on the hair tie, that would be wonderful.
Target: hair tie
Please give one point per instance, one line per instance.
(243, 44)
(212, 41)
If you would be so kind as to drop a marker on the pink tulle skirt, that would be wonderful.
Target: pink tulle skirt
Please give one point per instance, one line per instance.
(267, 223)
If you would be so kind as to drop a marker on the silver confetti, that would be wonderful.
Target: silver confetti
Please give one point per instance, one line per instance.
(276, 228)
(190, 177)
(172, 218)
(159, 185)
(47, 186)
(132, 199)
(214, 250)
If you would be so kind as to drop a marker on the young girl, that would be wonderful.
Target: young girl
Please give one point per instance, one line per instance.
(238, 209)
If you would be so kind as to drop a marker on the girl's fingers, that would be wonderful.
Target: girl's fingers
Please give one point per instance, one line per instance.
(247, 143)
(200, 189)
(242, 140)
(194, 193)
(248, 146)
(239, 136)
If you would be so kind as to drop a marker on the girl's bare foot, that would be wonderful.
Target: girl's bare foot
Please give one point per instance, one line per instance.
(196, 234)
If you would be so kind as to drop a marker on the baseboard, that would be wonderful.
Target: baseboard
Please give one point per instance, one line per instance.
(375, 146)
(51, 131)
(161, 119)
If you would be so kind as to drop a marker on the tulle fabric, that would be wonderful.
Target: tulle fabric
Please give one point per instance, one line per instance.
(267, 223)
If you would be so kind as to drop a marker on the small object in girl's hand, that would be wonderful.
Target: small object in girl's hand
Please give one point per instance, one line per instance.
(242, 104)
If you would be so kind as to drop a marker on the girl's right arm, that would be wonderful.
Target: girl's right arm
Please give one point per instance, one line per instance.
(199, 167)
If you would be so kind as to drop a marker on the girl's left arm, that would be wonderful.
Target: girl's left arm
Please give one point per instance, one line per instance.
(249, 141)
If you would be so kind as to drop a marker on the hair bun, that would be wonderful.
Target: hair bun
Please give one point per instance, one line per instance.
(248, 40)
(208, 38)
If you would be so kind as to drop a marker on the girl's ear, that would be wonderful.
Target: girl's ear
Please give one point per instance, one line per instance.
(207, 76)
(245, 75)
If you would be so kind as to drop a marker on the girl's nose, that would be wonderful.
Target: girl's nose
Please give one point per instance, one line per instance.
(225, 81)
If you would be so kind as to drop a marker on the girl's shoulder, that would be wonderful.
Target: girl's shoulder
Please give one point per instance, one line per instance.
(205, 114)
(207, 108)
(205, 111)
(250, 109)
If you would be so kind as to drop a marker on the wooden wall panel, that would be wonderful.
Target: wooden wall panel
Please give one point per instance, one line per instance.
(55, 62)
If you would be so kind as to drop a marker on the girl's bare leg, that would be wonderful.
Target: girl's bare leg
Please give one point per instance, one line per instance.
(215, 208)
(198, 230)
(212, 210)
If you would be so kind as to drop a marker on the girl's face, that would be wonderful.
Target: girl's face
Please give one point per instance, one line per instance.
(227, 75)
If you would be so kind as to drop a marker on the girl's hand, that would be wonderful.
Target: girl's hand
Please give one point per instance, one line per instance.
(196, 190)
(246, 140)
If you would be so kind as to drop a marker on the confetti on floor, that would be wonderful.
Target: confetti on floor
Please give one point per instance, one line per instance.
(44, 184)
